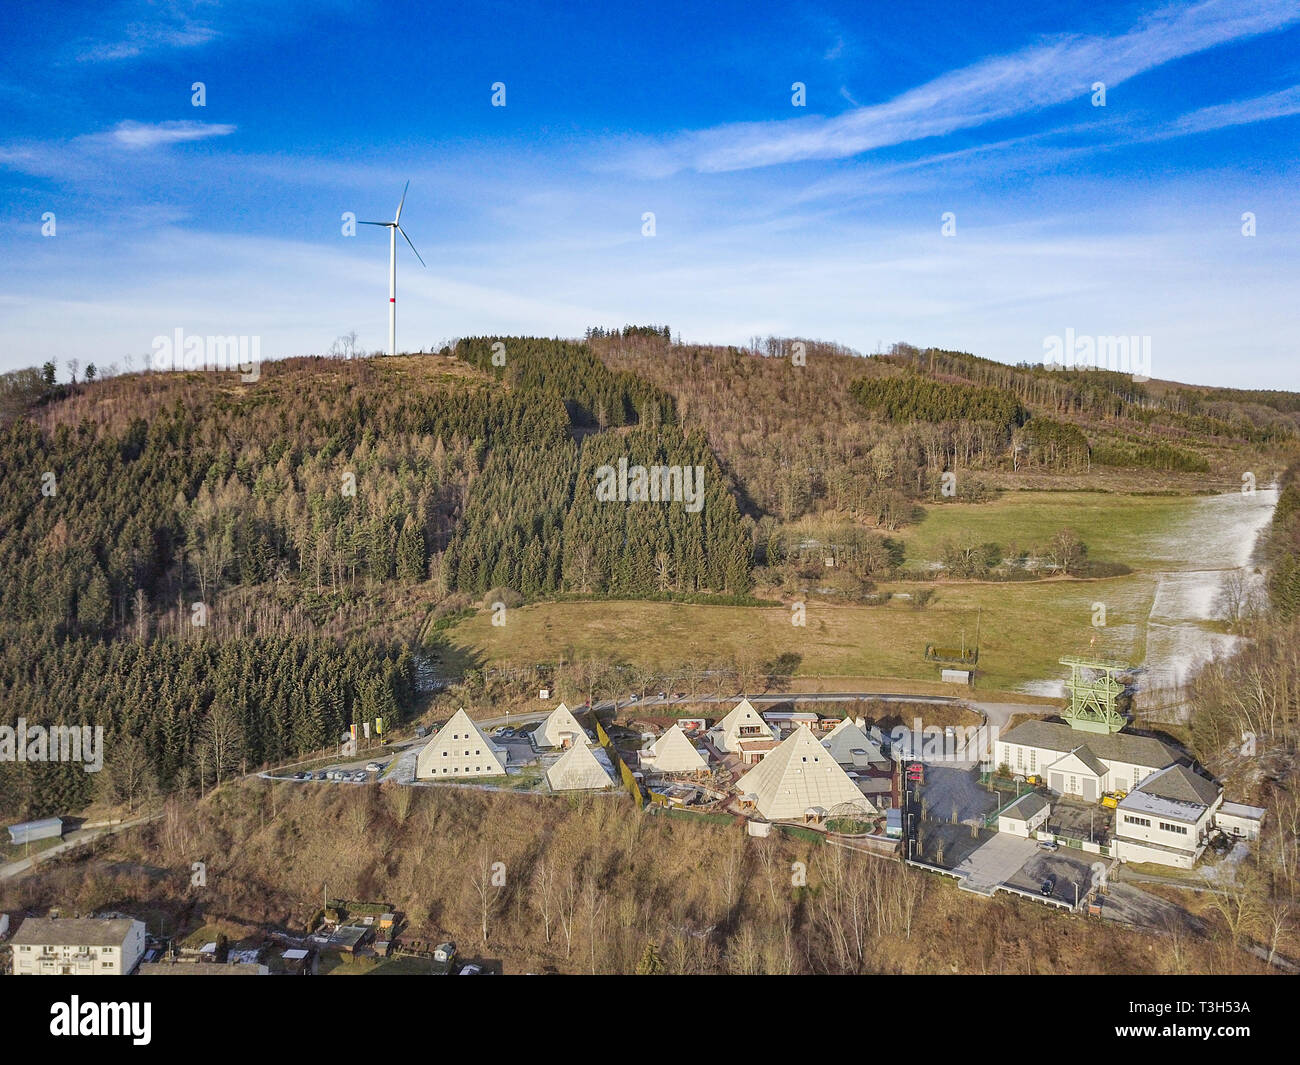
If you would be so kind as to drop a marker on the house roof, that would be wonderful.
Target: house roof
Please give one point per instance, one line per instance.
(559, 723)
(1109, 747)
(800, 775)
(845, 738)
(1181, 785)
(73, 931)
(674, 753)
(1025, 807)
(577, 770)
(742, 713)
(1084, 754)
(460, 724)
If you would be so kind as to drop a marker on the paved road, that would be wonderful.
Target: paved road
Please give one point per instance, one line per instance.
(73, 839)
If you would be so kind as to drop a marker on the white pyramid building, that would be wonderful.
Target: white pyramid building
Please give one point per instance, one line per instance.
(743, 723)
(800, 775)
(847, 737)
(578, 770)
(460, 749)
(560, 729)
(673, 752)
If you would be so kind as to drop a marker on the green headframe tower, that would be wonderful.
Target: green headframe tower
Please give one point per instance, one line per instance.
(1093, 694)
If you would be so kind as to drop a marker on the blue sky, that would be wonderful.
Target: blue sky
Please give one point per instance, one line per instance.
(820, 221)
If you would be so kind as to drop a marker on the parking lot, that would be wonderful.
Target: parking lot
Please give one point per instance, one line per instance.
(946, 786)
(1067, 870)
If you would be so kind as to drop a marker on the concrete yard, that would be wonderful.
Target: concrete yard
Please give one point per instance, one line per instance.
(996, 862)
(1070, 868)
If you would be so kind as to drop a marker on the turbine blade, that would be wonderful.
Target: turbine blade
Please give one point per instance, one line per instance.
(399, 206)
(360, 223)
(408, 241)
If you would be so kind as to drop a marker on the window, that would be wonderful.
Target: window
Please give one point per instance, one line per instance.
(1033, 759)
(1143, 821)
(1020, 758)
(105, 964)
(1180, 830)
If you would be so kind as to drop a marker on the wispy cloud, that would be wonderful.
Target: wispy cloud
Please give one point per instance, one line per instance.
(150, 135)
(1047, 73)
(162, 26)
(1240, 113)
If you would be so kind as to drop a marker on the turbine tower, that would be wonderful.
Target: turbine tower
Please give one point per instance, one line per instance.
(394, 227)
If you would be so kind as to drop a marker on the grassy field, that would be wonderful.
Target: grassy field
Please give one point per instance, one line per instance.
(1116, 527)
(1024, 629)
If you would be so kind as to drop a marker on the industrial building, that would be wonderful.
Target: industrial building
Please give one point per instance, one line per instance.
(1085, 764)
(78, 946)
(1167, 818)
(459, 750)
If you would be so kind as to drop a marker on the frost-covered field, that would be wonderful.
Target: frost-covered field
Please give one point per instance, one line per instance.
(1170, 614)
(1202, 555)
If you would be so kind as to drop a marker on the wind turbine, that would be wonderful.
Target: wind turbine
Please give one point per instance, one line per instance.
(394, 227)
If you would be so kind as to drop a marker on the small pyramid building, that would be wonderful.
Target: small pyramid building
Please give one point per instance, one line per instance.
(743, 723)
(673, 752)
(560, 729)
(850, 746)
(578, 770)
(460, 749)
(800, 775)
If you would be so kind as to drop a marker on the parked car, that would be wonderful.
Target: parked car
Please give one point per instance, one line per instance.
(472, 970)
(321, 775)
(360, 775)
(374, 767)
(1049, 885)
(663, 695)
(1048, 845)
(632, 697)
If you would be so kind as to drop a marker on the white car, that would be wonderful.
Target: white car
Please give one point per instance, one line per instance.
(472, 970)
(374, 767)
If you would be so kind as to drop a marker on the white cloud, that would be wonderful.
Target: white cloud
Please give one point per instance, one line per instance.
(1039, 76)
(149, 135)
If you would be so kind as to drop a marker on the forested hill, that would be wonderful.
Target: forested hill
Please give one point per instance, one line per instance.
(165, 526)
(228, 572)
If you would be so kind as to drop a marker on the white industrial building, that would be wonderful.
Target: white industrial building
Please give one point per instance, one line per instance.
(800, 779)
(78, 946)
(743, 728)
(560, 729)
(578, 769)
(460, 749)
(673, 752)
(1085, 764)
(1167, 819)
(1240, 821)
(1025, 816)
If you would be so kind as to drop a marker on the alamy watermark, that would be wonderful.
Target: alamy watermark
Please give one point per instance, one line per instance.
(53, 743)
(1122, 354)
(651, 484)
(181, 352)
